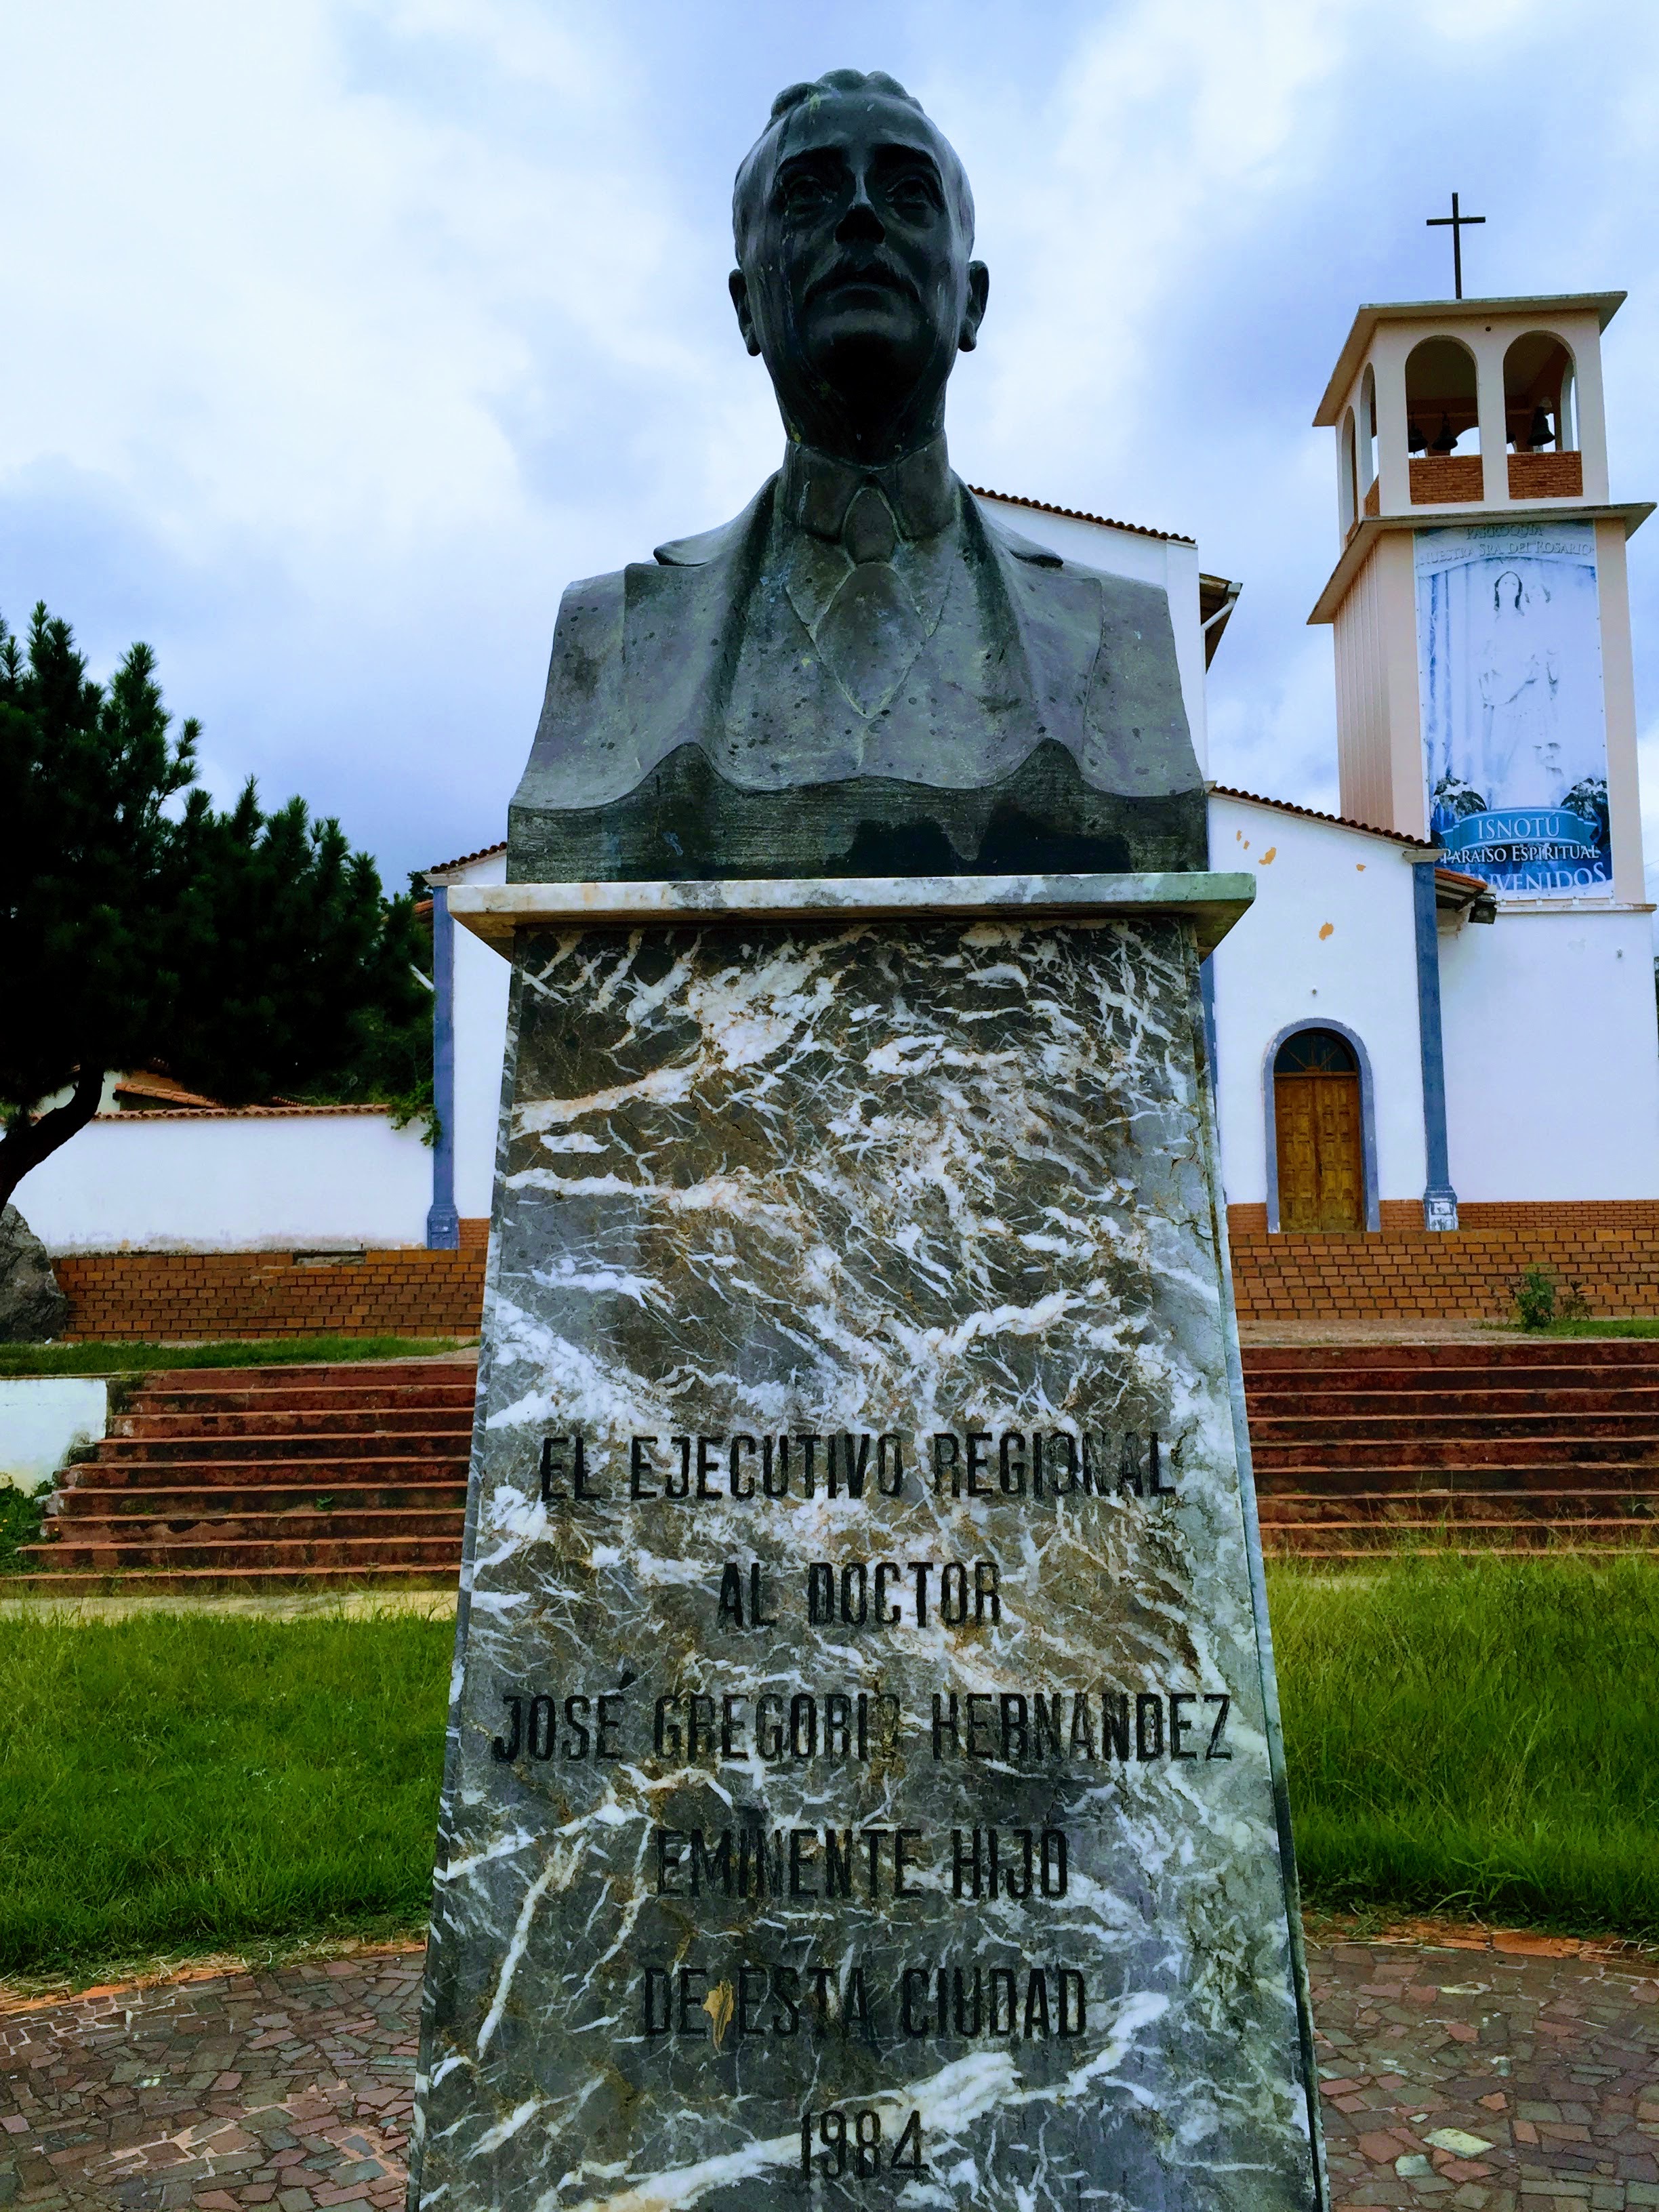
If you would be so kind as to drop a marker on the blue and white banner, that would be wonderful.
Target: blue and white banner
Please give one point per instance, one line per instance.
(1508, 654)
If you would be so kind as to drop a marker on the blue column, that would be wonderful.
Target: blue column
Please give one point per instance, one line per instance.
(1206, 989)
(443, 1223)
(1439, 1199)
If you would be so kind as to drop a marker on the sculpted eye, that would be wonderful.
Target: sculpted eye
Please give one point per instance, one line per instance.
(802, 193)
(914, 194)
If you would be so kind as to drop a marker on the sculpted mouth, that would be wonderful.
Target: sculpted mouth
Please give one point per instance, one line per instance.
(860, 276)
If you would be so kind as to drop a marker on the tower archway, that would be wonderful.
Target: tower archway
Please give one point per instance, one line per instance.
(1348, 492)
(1442, 423)
(1540, 424)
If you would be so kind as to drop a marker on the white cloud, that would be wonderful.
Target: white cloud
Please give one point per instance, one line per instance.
(342, 334)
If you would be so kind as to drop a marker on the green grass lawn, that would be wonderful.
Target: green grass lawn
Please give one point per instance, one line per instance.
(1592, 1325)
(179, 1782)
(20, 1515)
(119, 1357)
(1473, 1737)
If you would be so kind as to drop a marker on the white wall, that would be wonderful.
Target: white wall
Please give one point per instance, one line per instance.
(481, 976)
(1552, 1059)
(1283, 964)
(231, 1182)
(41, 1418)
(1172, 566)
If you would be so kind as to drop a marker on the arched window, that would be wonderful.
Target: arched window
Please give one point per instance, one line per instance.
(1320, 1120)
(1537, 395)
(1368, 442)
(1539, 419)
(1347, 494)
(1442, 423)
(1315, 1052)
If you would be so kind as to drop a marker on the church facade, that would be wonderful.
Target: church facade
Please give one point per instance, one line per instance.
(1438, 1019)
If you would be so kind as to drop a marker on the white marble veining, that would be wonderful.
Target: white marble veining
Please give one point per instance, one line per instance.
(938, 1196)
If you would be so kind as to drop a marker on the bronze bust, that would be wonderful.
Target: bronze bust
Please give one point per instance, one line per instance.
(863, 674)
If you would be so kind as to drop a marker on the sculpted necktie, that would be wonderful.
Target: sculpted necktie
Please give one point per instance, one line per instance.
(871, 632)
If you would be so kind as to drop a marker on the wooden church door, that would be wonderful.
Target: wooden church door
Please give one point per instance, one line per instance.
(1319, 1134)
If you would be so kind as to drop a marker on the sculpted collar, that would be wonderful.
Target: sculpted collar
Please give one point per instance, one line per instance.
(816, 489)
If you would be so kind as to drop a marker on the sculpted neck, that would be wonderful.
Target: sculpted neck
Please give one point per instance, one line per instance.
(869, 435)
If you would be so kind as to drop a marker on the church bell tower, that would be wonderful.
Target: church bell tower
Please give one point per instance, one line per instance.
(1485, 705)
(1479, 602)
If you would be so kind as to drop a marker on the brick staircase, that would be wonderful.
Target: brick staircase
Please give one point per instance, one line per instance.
(1513, 1443)
(355, 1476)
(343, 1477)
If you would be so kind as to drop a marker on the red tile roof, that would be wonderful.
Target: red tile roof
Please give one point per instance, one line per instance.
(1078, 515)
(147, 1083)
(484, 853)
(233, 1113)
(1313, 814)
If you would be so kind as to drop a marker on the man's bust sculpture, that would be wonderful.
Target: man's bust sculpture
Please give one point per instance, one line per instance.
(862, 674)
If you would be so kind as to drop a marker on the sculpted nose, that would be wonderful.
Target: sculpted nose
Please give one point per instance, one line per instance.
(860, 225)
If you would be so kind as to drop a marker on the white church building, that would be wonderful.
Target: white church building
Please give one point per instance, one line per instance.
(1442, 997)
(1436, 1025)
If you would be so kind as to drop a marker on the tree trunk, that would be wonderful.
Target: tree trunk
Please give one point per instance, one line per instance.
(26, 1143)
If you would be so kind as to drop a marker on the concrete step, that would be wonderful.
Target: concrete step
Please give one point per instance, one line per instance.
(1363, 1428)
(1340, 1478)
(1408, 1448)
(266, 1446)
(111, 1503)
(1367, 1541)
(1408, 1375)
(448, 1400)
(319, 1472)
(143, 1425)
(176, 1581)
(269, 1554)
(1572, 1400)
(1302, 1508)
(291, 1525)
(1480, 1357)
(345, 1375)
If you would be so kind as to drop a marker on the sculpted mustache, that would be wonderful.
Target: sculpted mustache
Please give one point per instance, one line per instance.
(863, 270)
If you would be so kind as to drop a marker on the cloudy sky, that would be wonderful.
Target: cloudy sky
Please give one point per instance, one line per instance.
(342, 334)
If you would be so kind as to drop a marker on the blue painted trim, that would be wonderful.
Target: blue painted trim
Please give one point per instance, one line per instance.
(1367, 1114)
(1207, 993)
(443, 1223)
(1439, 1199)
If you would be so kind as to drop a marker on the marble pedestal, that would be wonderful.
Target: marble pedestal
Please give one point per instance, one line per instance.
(863, 1783)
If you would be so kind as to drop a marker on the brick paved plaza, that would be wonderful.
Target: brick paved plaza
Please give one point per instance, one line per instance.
(1516, 2074)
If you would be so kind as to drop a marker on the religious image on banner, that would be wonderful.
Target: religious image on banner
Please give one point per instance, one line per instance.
(1509, 651)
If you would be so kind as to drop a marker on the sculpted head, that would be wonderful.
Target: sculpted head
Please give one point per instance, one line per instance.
(854, 228)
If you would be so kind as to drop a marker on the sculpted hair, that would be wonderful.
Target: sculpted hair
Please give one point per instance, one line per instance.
(754, 171)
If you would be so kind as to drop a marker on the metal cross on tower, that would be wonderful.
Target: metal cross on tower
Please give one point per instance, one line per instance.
(1457, 223)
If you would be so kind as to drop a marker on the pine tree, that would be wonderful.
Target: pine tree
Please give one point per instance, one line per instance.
(249, 954)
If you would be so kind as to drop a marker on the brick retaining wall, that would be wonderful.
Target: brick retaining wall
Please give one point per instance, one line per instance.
(174, 1295)
(1611, 1251)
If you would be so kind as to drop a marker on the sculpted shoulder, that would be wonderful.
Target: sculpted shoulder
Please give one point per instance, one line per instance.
(635, 664)
(581, 742)
(1102, 655)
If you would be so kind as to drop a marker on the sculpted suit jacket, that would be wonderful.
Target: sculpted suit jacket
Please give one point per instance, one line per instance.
(688, 731)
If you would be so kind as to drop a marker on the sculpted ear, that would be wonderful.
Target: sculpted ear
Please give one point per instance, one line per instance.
(979, 287)
(738, 284)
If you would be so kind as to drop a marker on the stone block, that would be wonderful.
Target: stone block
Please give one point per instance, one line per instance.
(863, 1769)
